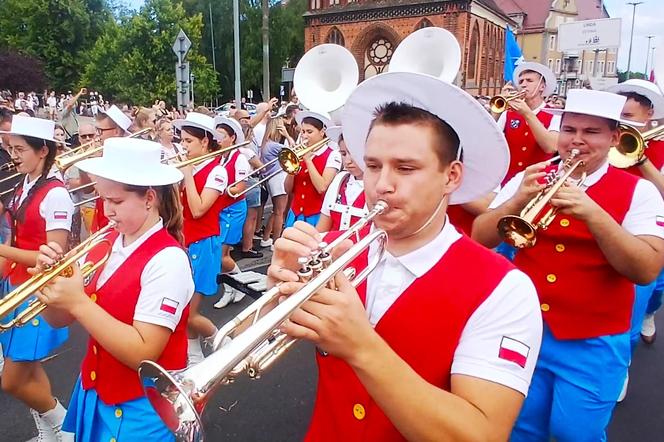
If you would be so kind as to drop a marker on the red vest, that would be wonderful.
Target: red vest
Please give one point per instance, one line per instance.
(423, 327)
(582, 296)
(461, 218)
(655, 153)
(306, 199)
(524, 150)
(226, 199)
(115, 382)
(99, 220)
(359, 203)
(31, 233)
(207, 225)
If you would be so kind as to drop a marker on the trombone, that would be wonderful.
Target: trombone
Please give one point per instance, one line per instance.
(499, 103)
(8, 166)
(289, 159)
(65, 160)
(207, 156)
(63, 267)
(82, 187)
(180, 397)
(632, 145)
(521, 231)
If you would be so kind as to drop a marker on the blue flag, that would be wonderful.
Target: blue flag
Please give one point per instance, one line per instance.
(513, 55)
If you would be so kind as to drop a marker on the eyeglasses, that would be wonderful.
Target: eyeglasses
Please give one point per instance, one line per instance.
(86, 135)
(101, 130)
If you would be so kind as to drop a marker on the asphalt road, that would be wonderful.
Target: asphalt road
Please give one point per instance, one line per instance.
(278, 406)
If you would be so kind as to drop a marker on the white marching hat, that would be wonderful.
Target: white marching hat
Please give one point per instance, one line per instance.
(131, 161)
(200, 121)
(594, 103)
(485, 152)
(644, 88)
(549, 77)
(118, 117)
(334, 133)
(323, 117)
(233, 124)
(32, 127)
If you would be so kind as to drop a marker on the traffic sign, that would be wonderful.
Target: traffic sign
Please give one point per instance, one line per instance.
(181, 45)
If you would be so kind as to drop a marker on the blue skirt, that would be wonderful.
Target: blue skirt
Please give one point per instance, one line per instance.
(92, 420)
(205, 258)
(33, 341)
(231, 222)
(291, 218)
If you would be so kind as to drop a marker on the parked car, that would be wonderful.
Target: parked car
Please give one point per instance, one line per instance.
(224, 109)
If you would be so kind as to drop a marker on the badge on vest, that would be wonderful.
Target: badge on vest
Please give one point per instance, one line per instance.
(321, 352)
(514, 124)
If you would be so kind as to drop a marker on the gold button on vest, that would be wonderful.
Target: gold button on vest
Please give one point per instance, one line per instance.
(545, 307)
(551, 278)
(358, 412)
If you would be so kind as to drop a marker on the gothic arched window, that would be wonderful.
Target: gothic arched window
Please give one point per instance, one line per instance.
(377, 56)
(473, 53)
(424, 23)
(335, 37)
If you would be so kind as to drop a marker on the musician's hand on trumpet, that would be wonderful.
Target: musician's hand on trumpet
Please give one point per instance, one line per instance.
(300, 240)
(533, 182)
(574, 201)
(63, 293)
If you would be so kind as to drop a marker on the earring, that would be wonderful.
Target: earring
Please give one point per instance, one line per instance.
(149, 207)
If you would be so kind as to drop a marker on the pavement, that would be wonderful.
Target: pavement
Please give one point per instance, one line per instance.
(278, 406)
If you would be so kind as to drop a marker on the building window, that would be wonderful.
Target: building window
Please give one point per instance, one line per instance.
(473, 53)
(611, 67)
(600, 68)
(557, 65)
(377, 56)
(549, 63)
(578, 65)
(424, 23)
(334, 2)
(335, 37)
(315, 4)
(552, 42)
(589, 67)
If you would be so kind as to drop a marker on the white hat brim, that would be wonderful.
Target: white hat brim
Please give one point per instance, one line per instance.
(31, 135)
(485, 152)
(598, 113)
(131, 174)
(655, 98)
(180, 124)
(327, 122)
(549, 77)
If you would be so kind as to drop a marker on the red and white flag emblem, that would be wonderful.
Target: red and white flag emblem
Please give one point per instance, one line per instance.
(660, 220)
(169, 306)
(219, 179)
(513, 351)
(59, 214)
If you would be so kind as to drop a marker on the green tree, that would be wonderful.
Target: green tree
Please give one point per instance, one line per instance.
(133, 60)
(57, 32)
(622, 76)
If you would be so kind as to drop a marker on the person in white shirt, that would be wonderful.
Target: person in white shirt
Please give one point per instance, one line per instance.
(442, 340)
(52, 104)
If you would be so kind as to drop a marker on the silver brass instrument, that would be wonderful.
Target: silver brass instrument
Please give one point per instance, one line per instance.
(180, 397)
(521, 231)
(632, 145)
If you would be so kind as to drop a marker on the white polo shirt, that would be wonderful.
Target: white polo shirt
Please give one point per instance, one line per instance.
(642, 217)
(510, 316)
(165, 278)
(217, 179)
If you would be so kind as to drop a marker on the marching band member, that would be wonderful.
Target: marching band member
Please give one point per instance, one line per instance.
(606, 238)
(204, 185)
(135, 306)
(344, 201)
(308, 186)
(531, 133)
(234, 210)
(171, 152)
(41, 210)
(389, 368)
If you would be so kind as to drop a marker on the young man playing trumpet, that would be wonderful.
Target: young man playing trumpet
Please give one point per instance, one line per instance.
(406, 356)
(606, 237)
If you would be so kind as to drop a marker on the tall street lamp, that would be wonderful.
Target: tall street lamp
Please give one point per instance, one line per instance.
(631, 37)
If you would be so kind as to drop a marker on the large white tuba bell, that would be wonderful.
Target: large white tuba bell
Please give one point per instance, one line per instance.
(433, 51)
(658, 70)
(325, 77)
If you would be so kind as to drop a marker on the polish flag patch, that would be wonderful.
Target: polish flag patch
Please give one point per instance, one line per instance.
(59, 215)
(660, 220)
(219, 179)
(168, 305)
(514, 351)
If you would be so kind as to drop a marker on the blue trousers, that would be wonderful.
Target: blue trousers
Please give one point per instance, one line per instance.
(574, 389)
(291, 218)
(656, 299)
(642, 297)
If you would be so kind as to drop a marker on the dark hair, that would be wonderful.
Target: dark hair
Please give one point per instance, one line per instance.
(199, 133)
(315, 122)
(229, 130)
(446, 140)
(37, 144)
(5, 115)
(641, 99)
(170, 207)
(290, 110)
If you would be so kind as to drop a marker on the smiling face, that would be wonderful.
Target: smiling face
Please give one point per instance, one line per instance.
(591, 136)
(128, 209)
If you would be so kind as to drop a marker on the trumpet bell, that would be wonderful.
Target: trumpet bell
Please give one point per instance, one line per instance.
(517, 231)
(325, 77)
(630, 149)
(433, 51)
(289, 161)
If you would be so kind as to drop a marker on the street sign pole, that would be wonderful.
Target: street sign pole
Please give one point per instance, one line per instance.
(183, 75)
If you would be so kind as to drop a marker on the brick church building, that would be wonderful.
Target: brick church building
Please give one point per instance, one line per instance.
(371, 30)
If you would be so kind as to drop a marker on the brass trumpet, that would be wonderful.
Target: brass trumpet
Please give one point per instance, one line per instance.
(8, 166)
(65, 160)
(632, 146)
(521, 231)
(180, 397)
(25, 291)
(289, 159)
(207, 156)
(499, 103)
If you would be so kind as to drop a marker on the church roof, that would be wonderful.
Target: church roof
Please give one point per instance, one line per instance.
(536, 12)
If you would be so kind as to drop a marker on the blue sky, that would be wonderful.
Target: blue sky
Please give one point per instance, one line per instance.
(649, 21)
